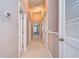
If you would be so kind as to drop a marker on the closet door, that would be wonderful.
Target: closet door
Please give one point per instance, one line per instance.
(70, 29)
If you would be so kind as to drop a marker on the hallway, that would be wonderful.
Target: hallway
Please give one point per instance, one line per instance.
(36, 49)
(39, 28)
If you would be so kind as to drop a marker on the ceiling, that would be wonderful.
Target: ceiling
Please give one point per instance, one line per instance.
(35, 9)
(34, 3)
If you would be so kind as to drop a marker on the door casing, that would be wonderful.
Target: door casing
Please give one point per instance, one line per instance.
(22, 35)
(61, 27)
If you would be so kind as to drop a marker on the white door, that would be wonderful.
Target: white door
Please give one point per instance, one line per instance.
(69, 28)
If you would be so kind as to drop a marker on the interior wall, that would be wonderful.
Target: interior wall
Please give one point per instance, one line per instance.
(9, 29)
(28, 19)
(40, 31)
(53, 15)
(53, 27)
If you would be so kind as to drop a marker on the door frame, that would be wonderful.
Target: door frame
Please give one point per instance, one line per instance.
(61, 26)
(46, 30)
(25, 31)
(20, 31)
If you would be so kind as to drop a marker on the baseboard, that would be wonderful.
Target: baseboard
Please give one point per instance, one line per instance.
(50, 54)
(46, 46)
(48, 51)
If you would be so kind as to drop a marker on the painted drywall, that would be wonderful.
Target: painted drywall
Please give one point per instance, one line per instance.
(27, 26)
(53, 45)
(9, 29)
(53, 15)
(53, 27)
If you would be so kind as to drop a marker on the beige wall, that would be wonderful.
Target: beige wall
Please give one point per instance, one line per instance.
(28, 19)
(53, 45)
(53, 15)
(9, 29)
(53, 27)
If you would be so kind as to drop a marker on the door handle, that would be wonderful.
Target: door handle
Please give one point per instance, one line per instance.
(61, 39)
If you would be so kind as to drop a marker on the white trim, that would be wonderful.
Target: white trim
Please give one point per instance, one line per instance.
(50, 54)
(61, 25)
(25, 33)
(48, 51)
(18, 29)
(63, 18)
(21, 34)
(20, 38)
(55, 33)
(60, 19)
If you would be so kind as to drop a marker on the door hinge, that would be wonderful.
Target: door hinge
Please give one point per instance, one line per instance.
(22, 46)
(23, 32)
(61, 39)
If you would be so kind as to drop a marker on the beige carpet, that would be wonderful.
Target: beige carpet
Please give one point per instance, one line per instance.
(36, 49)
